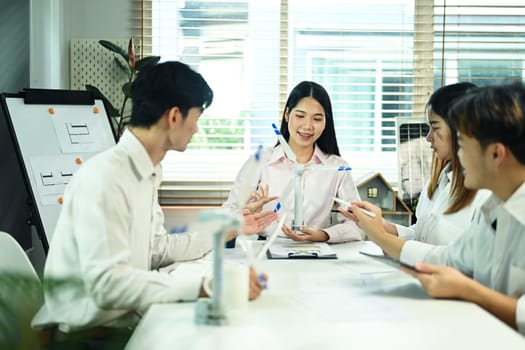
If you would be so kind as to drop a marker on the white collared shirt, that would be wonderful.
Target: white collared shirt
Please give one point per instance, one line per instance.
(109, 236)
(319, 187)
(495, 258)
(432, 225)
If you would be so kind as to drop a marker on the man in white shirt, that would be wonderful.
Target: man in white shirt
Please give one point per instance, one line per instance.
(109, 239)
(486, 265)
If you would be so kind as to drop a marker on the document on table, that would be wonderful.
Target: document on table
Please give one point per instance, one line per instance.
(285, 249)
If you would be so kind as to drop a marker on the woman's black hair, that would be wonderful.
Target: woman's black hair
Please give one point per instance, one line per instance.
(327, 142)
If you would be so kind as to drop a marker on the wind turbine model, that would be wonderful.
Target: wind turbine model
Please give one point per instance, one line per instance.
(212, 311)
(297, 180)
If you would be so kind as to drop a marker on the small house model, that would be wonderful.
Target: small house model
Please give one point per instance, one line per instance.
(375, 189)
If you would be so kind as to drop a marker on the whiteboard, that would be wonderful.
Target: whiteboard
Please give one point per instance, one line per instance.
(54, 140)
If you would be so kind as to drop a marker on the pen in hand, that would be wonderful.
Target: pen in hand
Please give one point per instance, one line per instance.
(347, 205)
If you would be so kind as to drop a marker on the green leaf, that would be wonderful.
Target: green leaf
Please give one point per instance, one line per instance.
(112, 111)
(147, 61)
(126, 89)
(123, 67)
(115, 48)
(20, 298)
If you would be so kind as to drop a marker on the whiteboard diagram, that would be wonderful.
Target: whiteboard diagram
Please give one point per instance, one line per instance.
(53, 133)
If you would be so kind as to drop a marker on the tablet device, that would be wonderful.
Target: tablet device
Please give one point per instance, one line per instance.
(388, 260)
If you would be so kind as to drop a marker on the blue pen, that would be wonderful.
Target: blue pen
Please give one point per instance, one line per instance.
(263, 281)
(330, 168)
(258, 153)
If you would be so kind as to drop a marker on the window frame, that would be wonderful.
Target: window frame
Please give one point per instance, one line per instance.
(429, 72)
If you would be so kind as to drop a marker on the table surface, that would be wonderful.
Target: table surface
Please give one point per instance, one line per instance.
(353, 302)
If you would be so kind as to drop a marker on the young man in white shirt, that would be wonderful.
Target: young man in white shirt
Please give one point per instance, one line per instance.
(486, 265)
(109, 239)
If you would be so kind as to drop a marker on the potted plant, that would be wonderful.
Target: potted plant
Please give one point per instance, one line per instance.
(130, 65)
(21, 296)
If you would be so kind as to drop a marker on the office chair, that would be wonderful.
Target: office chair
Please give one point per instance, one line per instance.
(20, 296)
(13, 258)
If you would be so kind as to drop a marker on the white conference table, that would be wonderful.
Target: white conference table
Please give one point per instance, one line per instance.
(353, 302)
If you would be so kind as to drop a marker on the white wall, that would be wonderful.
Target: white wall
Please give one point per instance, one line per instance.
(55, 22)
(14, 41)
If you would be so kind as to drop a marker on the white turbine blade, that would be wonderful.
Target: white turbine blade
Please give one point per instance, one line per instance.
(286, 190)
(298, 194)
(246, 246)
(328, 168)
(246, 186)
(286, 148)
(271, 238)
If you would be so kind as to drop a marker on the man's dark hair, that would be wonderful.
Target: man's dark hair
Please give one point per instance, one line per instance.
(158, 88)
(494, 114)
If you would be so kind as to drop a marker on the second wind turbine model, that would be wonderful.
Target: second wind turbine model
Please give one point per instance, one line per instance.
(297, 180)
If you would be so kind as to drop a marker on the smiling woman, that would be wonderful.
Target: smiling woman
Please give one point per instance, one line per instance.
(307, 158)
(306, 122)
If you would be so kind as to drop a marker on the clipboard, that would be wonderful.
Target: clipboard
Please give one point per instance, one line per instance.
(301, 250)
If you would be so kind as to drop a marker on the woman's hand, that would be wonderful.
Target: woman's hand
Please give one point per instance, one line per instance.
(440, 281)
(372, 226)
(259, 198)
(308, 234)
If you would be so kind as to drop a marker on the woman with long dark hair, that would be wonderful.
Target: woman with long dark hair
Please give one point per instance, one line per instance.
(307, 125)
(445, 208)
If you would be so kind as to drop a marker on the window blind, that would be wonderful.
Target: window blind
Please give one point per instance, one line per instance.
(478, 41)
(379, 61)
